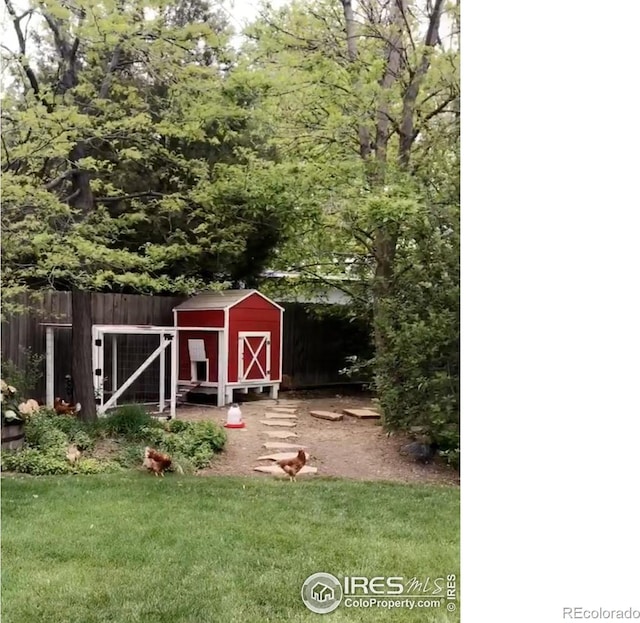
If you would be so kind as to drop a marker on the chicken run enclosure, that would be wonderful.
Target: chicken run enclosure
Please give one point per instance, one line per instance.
(220, 342)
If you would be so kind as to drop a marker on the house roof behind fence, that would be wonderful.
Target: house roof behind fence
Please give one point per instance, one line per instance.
(218, 300)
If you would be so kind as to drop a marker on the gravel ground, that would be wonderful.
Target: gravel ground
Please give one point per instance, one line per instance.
(351, 448)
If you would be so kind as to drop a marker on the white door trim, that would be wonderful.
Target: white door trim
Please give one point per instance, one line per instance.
(255, 354)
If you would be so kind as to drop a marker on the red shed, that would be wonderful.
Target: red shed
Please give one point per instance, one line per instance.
(229, 340)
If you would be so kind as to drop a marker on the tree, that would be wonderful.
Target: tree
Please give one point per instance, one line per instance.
(368, 93)
(130, 160)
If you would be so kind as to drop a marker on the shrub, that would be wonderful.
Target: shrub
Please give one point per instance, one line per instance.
(48, 435)
(210, 434)
(68, 424)
(82, 441)
(418, 329)
(197, 442)
(130, 455)
(33, 461)
(202, 456)
(152, 436)
(176, 426)
(93, 466)
(26, 377)
(129, 421)
(41, 432)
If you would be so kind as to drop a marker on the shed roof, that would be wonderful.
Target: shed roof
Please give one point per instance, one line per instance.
(219, 300)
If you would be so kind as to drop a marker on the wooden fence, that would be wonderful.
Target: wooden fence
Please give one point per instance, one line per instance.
(314, 348)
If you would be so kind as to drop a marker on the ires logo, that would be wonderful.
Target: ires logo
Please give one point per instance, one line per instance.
(358, 585)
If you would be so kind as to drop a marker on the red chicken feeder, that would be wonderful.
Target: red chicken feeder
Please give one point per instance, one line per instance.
(234, 417)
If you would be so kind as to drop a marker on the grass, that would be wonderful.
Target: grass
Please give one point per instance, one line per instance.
(129, 548)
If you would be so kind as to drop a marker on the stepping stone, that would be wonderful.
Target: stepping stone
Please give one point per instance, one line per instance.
(281, 416)
(327, 415)
(277, 423)
(363, 414)
(285, 409)
(280, 445)
(276, 470)
(288, 403)
(281, 434)
(280, 456)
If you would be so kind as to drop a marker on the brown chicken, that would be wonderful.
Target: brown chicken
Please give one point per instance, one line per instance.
(62, 407)
(293, 466)
(156, 462)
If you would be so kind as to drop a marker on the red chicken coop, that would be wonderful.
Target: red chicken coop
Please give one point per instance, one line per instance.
(229, 340)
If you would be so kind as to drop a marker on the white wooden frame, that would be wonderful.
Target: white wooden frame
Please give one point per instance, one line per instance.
(222, 360)
(168, 339)
(50, 358)
(265, 343)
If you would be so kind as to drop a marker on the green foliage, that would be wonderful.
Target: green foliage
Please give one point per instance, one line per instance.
(42, 462)
(42, 432)
(24, 378)
(82, 441)
(139, 164)
(197, 442)
(130, 455)
(177, 426)
(417, 374)
(93, 466)
(34, 461)
(131, 422)
(384, 217)
(48, 435)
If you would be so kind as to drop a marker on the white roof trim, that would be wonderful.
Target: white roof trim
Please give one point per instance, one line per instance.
(185, 306)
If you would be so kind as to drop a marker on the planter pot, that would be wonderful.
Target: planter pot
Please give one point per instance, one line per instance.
(12, 435)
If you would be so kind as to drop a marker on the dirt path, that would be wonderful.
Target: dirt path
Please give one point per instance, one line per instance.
(350, 448)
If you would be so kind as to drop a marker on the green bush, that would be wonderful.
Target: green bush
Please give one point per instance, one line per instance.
(130, 455)
(176, 426)
(48, 435)
(93, 466)
(41, 463)
(129, 421)
(202, 456)
(152, 436)
(451, 457)
(42, 432)
(82, 441)
(418, 329)
(210, 434)
(24, 378)
(34, 461)
(68, 424)
(197, 442)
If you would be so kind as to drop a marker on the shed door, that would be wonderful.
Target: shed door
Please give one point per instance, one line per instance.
(254, 356)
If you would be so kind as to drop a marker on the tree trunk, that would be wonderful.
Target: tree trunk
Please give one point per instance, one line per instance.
(81, 349)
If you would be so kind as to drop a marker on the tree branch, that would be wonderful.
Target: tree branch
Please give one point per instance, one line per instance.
(364, 140)
(389, 77)
(407, 133)
(8, 164)
(106, 82)
(58, 180)
(73, 195)
(334, 284)
(33, 81)
(148, 193)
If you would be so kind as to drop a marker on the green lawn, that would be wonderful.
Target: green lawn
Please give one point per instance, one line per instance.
(129, 547)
